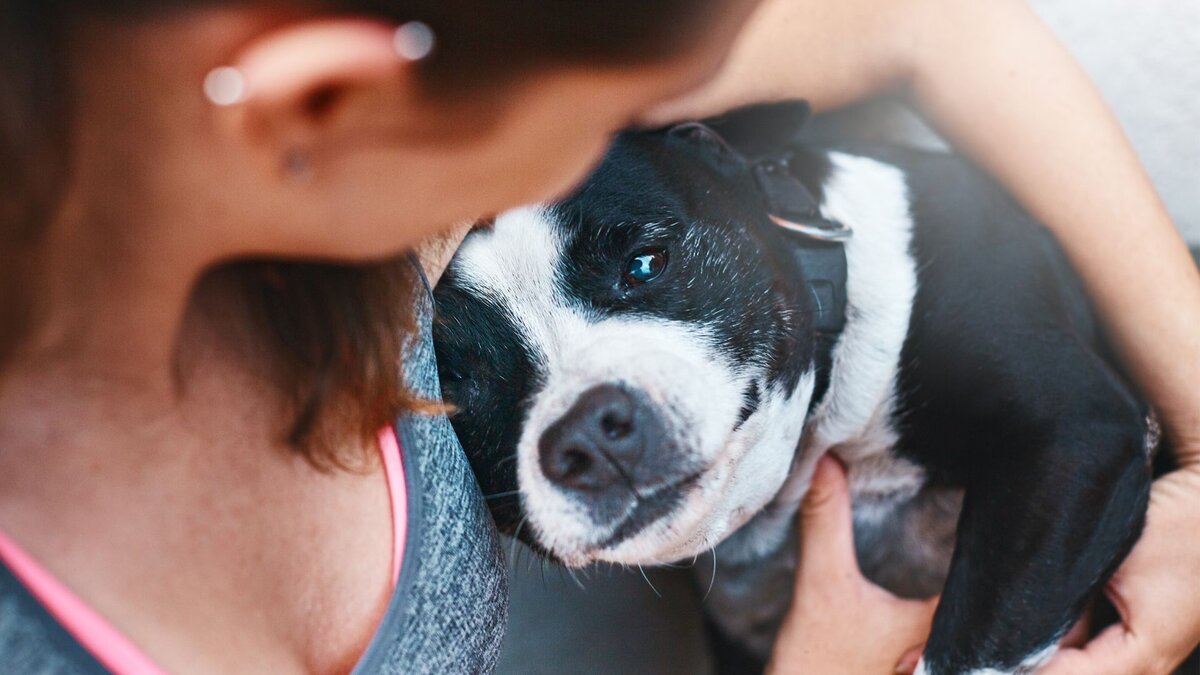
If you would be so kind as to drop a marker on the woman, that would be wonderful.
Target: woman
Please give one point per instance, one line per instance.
(190, 437)
(190, 478)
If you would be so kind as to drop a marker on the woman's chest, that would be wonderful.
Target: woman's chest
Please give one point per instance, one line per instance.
(230, 566)
(299, 562)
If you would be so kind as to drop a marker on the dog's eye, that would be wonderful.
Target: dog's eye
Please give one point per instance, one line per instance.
(645, 267)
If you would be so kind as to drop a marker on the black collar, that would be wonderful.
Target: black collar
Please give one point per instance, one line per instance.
(817, 246)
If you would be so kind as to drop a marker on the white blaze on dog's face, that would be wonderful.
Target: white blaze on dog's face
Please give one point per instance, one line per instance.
(631, 376)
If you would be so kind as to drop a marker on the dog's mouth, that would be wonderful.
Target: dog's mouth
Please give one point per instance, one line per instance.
(648, 510)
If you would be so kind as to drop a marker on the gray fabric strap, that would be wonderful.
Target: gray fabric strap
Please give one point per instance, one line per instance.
(451, 603)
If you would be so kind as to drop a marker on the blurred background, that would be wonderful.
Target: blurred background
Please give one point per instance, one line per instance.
(1145, 57)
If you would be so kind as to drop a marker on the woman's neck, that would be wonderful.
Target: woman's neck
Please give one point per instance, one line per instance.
(96, 386)
(137, 492)
(105, 303)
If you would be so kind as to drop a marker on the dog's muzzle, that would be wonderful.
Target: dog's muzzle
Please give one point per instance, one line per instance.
(611, 452)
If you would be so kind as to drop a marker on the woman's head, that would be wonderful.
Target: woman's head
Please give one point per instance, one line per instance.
(340, 149)
(338, 136)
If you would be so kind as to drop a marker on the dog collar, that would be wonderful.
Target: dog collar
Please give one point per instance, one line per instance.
(817, 241)
(817, 247)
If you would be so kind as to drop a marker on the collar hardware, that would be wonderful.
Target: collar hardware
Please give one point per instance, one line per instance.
(817, 245)
(791, 206)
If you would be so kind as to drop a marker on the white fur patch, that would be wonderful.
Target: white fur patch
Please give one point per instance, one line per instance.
(854, 419)
(668, 362)
(872, 198)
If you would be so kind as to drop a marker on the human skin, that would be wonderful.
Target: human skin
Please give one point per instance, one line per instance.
(995, 81)
(143, 458)
(834, 605)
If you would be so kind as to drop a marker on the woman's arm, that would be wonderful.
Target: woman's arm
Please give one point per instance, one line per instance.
(999, 85)
(995, 81)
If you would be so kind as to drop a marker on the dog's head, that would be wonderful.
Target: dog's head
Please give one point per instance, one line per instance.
(632, 367)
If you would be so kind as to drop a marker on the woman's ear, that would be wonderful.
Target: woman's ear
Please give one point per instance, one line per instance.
(296, 84)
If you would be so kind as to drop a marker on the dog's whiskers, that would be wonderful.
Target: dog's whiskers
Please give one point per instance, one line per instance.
(711, 582)
(571, 573)
(643, 571)
(512, 549)
(501, 495)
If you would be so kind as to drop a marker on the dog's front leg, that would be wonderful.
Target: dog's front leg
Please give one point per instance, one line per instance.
(1046, 519)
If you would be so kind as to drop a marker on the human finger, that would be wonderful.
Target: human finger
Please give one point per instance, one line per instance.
(1115, 651)
(826, 524)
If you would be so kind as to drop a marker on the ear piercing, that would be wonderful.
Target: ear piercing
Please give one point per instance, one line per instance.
(225, 86)
(414, 41)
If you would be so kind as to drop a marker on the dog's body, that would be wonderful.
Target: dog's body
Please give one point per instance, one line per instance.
(640, 380)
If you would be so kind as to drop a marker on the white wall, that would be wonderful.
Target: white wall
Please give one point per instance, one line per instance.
(1145, 57)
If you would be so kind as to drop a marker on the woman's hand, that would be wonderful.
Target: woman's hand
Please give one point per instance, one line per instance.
(835, 607)
(1156, 591)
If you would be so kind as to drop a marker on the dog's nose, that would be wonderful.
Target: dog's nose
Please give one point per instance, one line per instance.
(598, 444)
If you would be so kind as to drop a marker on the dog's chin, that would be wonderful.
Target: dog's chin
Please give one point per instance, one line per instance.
(637, 551)
(696, 515)
(652, 534)
(683, 534)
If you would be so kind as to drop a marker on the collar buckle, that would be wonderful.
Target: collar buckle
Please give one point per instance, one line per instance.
(820, 229)
(791, 206)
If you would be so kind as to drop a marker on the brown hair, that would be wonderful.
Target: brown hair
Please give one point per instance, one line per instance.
(339, 329)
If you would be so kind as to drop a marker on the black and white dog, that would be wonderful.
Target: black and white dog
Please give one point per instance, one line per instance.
(651, 369)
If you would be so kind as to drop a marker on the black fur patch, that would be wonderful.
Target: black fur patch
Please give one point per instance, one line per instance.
(751, 400)
(488, 374)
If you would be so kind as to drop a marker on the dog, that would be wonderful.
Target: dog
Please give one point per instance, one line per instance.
(652, 367)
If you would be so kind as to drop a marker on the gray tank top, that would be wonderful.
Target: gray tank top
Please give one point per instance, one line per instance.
(450, 605)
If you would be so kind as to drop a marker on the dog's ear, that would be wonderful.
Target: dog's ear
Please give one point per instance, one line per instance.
(760, 130)
(702, 135)
(750, 133)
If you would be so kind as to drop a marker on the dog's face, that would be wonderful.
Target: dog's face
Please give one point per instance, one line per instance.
(631, 368)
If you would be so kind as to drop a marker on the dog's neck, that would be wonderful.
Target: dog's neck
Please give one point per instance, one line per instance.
(854, 419)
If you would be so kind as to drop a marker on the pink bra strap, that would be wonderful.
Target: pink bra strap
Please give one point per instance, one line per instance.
(393, 468)
(112, 649)
(92, 631)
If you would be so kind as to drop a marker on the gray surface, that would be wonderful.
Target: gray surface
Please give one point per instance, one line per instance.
(32, 641)
(605, 620)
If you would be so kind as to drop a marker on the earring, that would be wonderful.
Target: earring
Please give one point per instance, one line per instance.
(297, 165)
(225, 86)
(413, 41)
